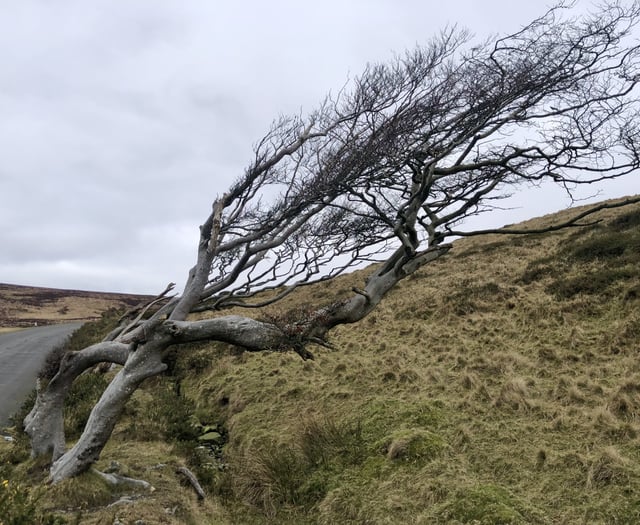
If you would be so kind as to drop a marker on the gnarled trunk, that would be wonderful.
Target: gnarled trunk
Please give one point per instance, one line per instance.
(45, 422)
(145, 362)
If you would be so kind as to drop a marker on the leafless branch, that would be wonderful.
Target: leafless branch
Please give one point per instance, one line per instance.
(572, 222)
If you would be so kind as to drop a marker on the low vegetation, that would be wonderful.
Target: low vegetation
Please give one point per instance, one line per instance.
(499, 385)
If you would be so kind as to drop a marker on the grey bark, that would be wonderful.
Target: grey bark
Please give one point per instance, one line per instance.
(193, 481)
(45, 422)
(117, 479)
(234, 329)
(145, 362)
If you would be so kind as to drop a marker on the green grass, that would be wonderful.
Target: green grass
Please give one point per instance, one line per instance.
(485, 505)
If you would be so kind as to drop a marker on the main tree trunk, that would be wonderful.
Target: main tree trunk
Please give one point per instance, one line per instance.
(145, 362)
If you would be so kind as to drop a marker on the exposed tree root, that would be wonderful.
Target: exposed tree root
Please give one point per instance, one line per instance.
(117, 479)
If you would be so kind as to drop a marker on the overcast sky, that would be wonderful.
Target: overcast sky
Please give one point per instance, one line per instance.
(120, 120)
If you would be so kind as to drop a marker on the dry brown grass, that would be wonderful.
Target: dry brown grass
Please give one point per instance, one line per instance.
(6, 330)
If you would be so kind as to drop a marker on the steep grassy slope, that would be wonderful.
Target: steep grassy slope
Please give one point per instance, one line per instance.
(499, 385)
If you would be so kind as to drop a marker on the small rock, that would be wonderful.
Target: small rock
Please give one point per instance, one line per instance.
(211, 437)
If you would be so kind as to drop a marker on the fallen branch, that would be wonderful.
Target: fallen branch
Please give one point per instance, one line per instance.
(191, 478)
(116, 479)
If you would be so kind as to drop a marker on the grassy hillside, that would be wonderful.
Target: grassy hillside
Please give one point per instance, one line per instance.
(499, 385)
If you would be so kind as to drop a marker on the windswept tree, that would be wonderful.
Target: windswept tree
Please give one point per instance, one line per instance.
(386, 171)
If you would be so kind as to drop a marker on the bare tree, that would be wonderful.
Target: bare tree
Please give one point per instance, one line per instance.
(386, 171)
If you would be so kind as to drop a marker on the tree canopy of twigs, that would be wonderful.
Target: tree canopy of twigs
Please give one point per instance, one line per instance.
(415, 146)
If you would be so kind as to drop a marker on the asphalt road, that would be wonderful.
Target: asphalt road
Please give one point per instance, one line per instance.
(22, 353)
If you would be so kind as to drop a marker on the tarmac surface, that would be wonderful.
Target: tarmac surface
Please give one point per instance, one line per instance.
(22, 353)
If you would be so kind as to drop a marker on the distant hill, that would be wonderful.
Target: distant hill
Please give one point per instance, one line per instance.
(24, 306)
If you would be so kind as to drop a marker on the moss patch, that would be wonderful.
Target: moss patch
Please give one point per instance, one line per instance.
(485, 505)
(414, 444)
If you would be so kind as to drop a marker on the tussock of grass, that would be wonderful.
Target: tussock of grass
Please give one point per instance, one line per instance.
(271, 476)
(515, 395)
(625, 402)
(413, 445)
